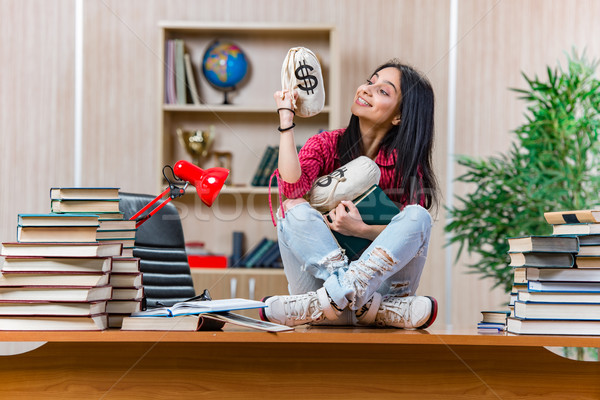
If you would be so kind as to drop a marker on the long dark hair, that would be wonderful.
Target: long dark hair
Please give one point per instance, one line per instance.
(411, 140)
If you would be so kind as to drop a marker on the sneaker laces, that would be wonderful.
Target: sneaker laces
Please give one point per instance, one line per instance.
(298, 307)
(394, 310)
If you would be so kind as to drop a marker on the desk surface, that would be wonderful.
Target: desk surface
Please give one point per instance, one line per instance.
(340, 363)
(308, 335)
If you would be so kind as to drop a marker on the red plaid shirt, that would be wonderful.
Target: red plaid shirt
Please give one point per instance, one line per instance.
(319, 157)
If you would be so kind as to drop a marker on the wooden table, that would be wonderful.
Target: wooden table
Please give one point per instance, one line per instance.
(310, 363)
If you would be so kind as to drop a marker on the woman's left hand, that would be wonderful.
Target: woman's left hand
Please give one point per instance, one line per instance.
(346, 219)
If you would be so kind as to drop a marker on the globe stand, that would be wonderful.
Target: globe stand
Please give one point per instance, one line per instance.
(226, 97)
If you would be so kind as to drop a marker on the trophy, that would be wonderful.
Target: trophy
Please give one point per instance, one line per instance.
(197, 143)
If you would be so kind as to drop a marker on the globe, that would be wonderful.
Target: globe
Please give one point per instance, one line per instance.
(224, 65)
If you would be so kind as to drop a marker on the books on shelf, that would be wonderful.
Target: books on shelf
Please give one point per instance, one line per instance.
(54, 323)
(572, 217)
(83, 193)
(552, 327)
(56, 264)
(96, 249)
(35, 308)
(264, 254)
(542, 260)
(267, 164)
(191, 79)
(180, 92)
(55, 293)
(375, 208)
(200, 307)
(525, 244)
(170, 95)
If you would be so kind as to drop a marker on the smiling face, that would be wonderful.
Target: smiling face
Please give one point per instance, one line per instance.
(377, 101)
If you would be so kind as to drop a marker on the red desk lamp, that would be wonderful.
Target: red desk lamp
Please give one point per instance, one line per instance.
(208, 184)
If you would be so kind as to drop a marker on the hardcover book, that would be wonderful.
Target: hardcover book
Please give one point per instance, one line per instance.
(542, 259)
(56, 264)
(66, 234)
(552, 327)
(54, 323)
(567, 311)
(61, 249)
(53, 279)
(53, 219)
(572, 217)
(34, 308)
(375, 208)
(84, 206)
(84, 193)
(543, 243)
(55, 293)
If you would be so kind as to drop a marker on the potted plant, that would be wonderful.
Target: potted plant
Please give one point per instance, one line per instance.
(552, 165)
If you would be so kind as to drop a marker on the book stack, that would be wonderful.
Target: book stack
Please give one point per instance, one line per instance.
(265, 254)
(492, 321)
(562, 294)
(101, 201)
(55, 285)
(128, 292)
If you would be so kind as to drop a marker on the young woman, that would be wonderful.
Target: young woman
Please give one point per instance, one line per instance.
(391, 123)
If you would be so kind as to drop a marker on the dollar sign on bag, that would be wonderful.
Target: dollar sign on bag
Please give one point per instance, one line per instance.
(303, 74)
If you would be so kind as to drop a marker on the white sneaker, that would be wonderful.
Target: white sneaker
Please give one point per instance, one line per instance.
(416, 312)
(299, 309)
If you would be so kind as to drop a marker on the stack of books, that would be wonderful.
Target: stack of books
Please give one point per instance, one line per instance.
(558, 279)
(101, 201)
(49, 285)
(492, 321)
(127, 293)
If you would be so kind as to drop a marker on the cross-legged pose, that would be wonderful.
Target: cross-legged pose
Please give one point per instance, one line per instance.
(391, 123)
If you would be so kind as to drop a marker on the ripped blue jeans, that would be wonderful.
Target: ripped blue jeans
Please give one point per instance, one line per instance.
(392, 264)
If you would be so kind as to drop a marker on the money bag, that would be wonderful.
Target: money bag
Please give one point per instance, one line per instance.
(345, 183)
(301, 71)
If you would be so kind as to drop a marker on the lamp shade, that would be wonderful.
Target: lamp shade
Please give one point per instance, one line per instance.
(208, 183)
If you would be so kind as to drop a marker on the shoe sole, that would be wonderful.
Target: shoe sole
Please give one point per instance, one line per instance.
(261, 312)
(433, 316)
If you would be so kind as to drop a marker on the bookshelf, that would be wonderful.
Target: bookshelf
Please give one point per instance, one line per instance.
(244, 128)
(247, 125)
